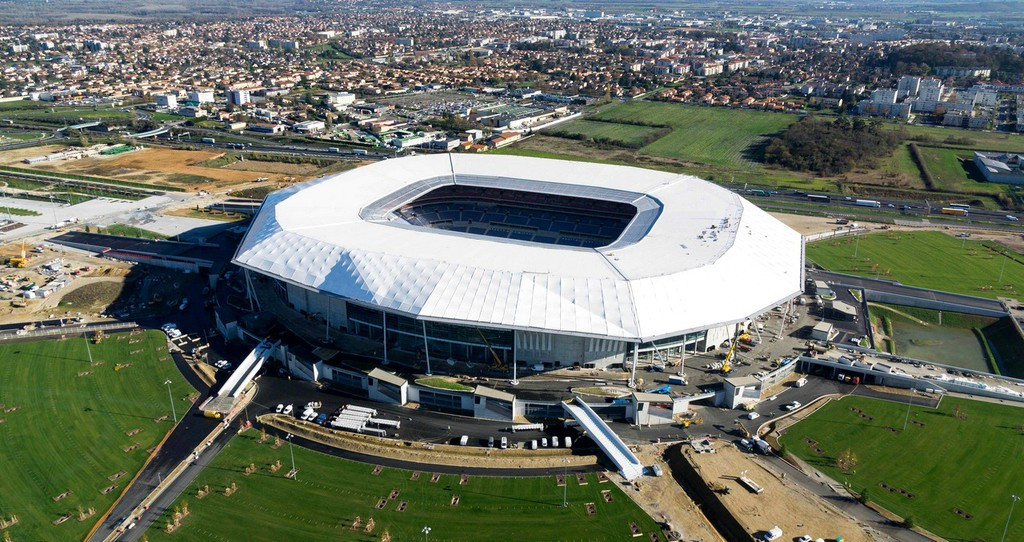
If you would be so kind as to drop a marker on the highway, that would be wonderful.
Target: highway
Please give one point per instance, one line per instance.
(846, 206)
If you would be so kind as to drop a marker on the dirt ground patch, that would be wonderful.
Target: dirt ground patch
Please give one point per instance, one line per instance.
(274, 167)
(806, 224)
(15, 157)
(664, 499)
(167, 166)
(95, 295)
(783, 503)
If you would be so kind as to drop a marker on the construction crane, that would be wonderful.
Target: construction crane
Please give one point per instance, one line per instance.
(19, 261)
(727, 363)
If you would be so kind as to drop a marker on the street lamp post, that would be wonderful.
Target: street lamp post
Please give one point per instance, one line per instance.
(87, 349)
(1013, 501)
(171, 399)
(426, 533)
(909, 403)
(291, 450)
(565, 484)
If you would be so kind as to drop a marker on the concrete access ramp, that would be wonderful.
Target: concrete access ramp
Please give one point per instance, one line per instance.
(610, 443)
(228, 395)
(246, 370)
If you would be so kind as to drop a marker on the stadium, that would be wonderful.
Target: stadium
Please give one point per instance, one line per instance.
(511, 261)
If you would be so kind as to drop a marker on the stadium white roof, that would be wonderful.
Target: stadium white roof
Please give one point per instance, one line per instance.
(705, 257)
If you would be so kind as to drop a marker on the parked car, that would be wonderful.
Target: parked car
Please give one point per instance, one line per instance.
(752, 415)
(544, 442)
(804, 538)
(279, 408)
(791, 406)
(288, 409)
(321, 419)
(504, 443)
(490, 442)
(464, 440)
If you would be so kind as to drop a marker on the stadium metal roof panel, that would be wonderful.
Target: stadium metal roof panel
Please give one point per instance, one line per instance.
(706, 257)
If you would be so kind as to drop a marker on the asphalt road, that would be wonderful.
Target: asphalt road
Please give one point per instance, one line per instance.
(189, 433)
(176, 488)
(900, 289)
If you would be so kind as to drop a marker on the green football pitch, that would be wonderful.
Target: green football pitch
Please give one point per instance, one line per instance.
(330, 493)
(953, 475)
(66, 423)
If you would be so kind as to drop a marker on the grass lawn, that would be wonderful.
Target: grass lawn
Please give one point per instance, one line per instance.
(707, 135)
(952, 175)
(17, 211)
(926, 259)
(625, 134)
(69, 431)
(20, 136)
(331, 492)
(444, 383)
(67, 115)
(977, 140)
(970, 464)
(132, 231)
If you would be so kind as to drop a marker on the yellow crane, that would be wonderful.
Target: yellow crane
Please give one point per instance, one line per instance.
(19, 261)
(727, 363)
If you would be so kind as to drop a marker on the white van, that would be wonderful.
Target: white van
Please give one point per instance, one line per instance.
(554, 442)
(532, 445)
(464, 440)
(568, 442)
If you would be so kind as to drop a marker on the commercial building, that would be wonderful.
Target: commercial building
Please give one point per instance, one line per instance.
(201, 96)
(1000, 167)
(167, 101)
(239, 97)
(509, 261)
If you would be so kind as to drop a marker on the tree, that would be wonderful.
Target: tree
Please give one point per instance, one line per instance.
(909, 522)
(846, 460)
(863, 497)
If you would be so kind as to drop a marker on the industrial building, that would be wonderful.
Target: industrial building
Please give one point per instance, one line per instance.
(512, 261)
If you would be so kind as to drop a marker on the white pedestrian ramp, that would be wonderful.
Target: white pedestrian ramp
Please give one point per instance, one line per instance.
(610, 443)
(227, 396)
(246, 370)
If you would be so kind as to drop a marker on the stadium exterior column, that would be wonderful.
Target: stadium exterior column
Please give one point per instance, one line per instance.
(327, 322)
(426, 347)
(384, 328)
(636, 356)
(248, 290)
(515, 376)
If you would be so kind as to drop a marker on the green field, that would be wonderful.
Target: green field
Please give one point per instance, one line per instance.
(64, 115)
(975, 139)
(70, 429)
(17, 211)
(629, 135)
(19, 136)
(926, 259)
(970, 464)
(952, 174)
(707, 135)
(132, 231)
(331, 492)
